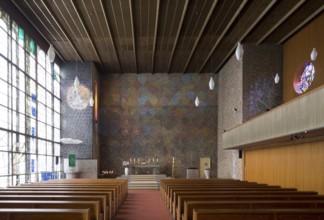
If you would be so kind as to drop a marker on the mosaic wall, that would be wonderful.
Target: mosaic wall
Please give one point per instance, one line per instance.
(76, 123)
(260, 93)
(248, 86)
(153, 116)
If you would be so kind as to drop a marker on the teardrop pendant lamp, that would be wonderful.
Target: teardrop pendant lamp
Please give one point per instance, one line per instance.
(211, 83)
(197, 102)
(277, 78)
(313, 54)
(239, 51)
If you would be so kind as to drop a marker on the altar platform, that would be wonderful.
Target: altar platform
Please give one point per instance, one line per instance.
(144, 181)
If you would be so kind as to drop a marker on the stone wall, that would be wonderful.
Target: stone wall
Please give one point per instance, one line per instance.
(247, 86)
(230, 98)
(154, 116)
(76, 124)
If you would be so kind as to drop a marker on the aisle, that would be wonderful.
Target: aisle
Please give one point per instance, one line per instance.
(143, 205)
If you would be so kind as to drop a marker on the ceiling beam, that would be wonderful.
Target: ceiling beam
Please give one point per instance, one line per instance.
(110, 35)
(317, 12)
(60, 27)
(292, 10)
(178, 34)
(200, 33)
(23, 12)
(68, 22)
(222, 35)
(86, 30)
(155, 32)
(246, 33)
(133, 32)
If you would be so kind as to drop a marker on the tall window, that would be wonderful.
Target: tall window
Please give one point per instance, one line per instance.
(29, 108)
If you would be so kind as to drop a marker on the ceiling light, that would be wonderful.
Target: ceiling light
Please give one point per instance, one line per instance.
(239, 51)
(197, 102)
(51, 53)
(277, 78)
(91, 101)
(313, 54)
(211, 83)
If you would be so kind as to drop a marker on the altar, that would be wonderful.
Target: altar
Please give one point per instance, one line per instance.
(149, 168)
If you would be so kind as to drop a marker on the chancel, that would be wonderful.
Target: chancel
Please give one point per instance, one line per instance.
(159, 109)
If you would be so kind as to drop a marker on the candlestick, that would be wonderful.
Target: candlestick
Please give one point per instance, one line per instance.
(172, 159)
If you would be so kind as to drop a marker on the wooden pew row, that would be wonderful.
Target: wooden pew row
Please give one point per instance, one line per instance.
(123, 183)
(41, 214)
(179, 201)
(113, 202)
(100, 199)
(165, 189)
(121, 186)
(93, 206)
(191, 205)
(228, 191)
(269, 214)
(107, 215)
(172, 196)
(168, 189)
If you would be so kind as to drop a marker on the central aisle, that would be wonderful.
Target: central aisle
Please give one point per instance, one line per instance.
(143, 205)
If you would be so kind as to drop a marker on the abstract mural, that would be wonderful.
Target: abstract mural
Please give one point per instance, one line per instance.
(153, 116)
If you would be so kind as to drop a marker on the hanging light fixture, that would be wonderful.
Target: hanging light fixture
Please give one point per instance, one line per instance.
(91, 101)
(313, 54)
(51, 53)
(239, 51)
(211, 83)
(197, 102)
(276, 79)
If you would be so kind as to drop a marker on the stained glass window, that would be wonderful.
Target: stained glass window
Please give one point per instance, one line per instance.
(29, 107)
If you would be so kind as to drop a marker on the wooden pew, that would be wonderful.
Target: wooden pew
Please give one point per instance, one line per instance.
(230, 195)
(257, 214)
(107, 215)
(93, 206)
(165, 191)
(114, 197)
(120, 193)
(174, 190)
(100, 198)
(41, 214)
(123, 183)
(191, 205)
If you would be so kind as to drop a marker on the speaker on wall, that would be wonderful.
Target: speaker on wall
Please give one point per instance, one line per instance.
(56, 160)
(240, 154)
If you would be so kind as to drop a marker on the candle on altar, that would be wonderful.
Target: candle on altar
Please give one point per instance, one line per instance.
(157, 160)
(172, 159)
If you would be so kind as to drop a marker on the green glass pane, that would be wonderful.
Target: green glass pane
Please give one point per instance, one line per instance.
(21, 35)
(32, 47)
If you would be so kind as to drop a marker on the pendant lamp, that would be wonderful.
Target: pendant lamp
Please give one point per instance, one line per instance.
(277, 78)
(51, 53)
(313, 54)
(91, 101)
(197, 101)
(211, 83)
(239, 51)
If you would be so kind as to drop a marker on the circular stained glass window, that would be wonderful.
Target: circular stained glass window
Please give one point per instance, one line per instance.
(304, 77)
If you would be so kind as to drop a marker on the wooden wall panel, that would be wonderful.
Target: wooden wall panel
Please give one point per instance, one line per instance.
(297, 51)
(300, 166)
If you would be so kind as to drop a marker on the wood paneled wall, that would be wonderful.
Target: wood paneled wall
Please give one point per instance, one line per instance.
(300, 166)
(297, 51)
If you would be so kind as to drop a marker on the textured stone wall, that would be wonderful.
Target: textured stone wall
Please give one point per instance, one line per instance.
(76, 124)
(260, 65)
(249, 87)
(145, 116)
(230, 97)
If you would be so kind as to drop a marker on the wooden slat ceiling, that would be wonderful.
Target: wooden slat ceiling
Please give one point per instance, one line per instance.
(164, 36)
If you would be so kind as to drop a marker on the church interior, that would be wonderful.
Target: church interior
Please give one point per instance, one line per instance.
(111, 105)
